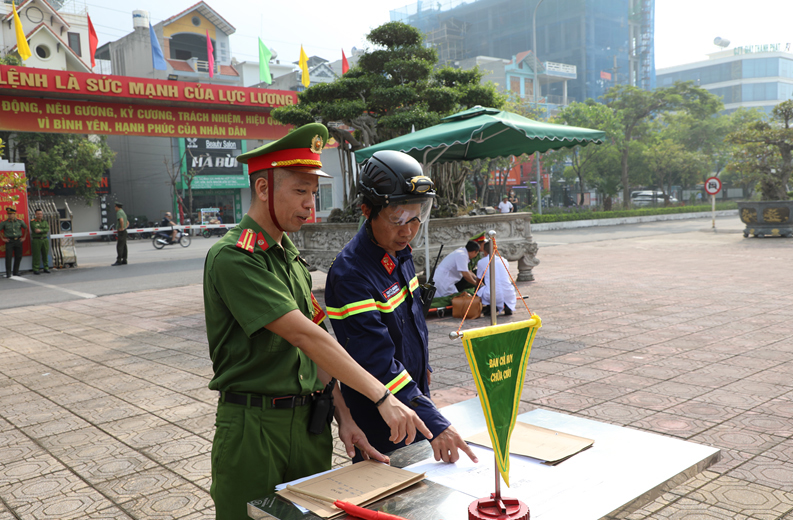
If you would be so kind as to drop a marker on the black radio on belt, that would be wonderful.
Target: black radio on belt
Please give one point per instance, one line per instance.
(322, 409)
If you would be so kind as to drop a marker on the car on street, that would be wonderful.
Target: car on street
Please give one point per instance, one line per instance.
(650, 198)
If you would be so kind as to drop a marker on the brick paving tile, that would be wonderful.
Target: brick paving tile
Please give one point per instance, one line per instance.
(102, 420)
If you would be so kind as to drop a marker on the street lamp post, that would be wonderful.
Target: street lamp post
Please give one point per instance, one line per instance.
(534, 92)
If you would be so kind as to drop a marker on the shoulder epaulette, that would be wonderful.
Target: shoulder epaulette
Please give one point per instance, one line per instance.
(247, 240)
(318, 315)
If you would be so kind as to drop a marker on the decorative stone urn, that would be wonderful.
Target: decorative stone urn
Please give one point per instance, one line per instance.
(767, 218)
(320, 243)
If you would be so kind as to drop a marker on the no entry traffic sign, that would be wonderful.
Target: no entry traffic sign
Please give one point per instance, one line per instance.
(713, 185)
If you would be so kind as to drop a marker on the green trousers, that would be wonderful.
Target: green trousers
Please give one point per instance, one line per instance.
(41, 248)
(254, 449)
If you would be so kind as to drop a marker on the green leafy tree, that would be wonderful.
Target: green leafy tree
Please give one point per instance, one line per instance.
(635, 108)
(764, 153)
(74, 160)
(589, 114)
(393, 88)
(670, 163)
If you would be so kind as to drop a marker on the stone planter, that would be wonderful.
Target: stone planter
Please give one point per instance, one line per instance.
(320, 243)
(767, 218)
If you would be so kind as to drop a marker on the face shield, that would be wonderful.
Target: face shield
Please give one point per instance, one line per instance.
(417, 210)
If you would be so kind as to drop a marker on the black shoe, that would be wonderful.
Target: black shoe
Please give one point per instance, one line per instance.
(47, 271)
(486, 310)
(16, 274)
(124, 262)
(8, 275)
(36, 272)
(507, 311)
(117, 263)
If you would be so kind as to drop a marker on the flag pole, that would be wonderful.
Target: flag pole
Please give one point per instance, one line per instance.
(493, 320)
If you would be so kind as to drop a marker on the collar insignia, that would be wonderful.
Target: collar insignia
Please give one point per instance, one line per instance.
(262, 242)
(316, 144)
(388, 263)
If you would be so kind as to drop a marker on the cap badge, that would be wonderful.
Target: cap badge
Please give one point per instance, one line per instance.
(316, 144)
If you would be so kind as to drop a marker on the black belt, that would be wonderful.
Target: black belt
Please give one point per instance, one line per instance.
(282, 402)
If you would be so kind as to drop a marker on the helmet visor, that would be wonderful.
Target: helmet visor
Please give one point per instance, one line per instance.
(407, 212)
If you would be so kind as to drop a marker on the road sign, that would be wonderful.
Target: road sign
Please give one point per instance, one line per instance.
(713, 185)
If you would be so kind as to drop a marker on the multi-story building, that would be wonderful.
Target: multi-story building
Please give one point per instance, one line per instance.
(608, 41)
(58, 39)
(756, 76)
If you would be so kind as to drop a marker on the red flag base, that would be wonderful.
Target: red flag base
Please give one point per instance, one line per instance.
(498, 509)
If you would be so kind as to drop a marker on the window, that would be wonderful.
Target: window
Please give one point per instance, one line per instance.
(74, 43)
(43, 52)
(325, 198)
(196, 21)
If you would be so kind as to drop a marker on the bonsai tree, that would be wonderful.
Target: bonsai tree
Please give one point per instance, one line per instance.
(765, 152)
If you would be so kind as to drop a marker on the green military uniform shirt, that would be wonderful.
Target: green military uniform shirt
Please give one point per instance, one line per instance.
(12, 229)
(39, 228)
(121, 220)
(244, 290)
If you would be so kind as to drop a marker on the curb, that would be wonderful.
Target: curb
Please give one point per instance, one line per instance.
(573, 224)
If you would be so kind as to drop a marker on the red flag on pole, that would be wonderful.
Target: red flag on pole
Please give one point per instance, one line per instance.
(345, 66)
(210, 56)
(93, 41)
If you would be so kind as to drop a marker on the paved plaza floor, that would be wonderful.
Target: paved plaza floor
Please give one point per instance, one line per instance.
(105, 411)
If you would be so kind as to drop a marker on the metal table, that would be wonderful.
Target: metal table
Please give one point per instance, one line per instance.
(624, 470)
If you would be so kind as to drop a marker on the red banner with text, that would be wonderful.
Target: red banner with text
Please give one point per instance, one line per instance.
(22, 114)
(13, 194)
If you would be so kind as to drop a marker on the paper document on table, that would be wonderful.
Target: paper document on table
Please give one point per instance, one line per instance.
(538, 443)
(359, 484)
(474, 479)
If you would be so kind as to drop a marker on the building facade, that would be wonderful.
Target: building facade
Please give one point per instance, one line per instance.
(609, 42)
(758, 76)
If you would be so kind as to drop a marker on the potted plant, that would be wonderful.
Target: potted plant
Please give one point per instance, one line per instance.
(764, 155)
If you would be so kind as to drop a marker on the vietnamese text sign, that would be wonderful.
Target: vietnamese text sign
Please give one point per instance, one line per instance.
(22, 114)
(82, 85)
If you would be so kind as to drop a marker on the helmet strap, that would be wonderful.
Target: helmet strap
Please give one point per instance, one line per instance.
(271, 198)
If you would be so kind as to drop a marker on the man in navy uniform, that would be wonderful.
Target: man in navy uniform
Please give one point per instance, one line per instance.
(373, 299)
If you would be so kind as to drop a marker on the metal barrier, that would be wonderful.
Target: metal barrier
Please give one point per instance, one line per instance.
(142, 230)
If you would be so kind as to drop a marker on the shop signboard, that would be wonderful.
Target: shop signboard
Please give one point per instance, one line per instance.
(215, 163)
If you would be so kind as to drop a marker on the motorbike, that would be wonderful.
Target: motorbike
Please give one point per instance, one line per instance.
(219, 232)
(163, 238)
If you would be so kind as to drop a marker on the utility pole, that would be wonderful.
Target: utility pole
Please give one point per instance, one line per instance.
(535, 88)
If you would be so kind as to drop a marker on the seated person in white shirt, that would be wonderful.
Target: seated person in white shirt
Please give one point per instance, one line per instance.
(505, 206)
(452, 275)
(505, 291)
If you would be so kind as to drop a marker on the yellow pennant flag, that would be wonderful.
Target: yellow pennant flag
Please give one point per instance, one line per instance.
(22, 43)
(305, 80)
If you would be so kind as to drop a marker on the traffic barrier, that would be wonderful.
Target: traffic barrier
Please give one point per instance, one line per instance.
(141, 230)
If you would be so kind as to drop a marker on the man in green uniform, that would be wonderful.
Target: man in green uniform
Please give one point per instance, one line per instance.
(13, 231)
(269, 354)
(40, 244)
(121, 232)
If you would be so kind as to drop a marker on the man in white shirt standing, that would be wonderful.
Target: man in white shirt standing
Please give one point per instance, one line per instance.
(505, 291)
(505, 206)
(454, 269)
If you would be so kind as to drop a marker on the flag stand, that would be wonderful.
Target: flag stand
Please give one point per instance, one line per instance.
(495, 507)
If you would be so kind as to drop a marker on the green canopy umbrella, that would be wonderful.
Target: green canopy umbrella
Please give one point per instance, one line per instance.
(481, 132)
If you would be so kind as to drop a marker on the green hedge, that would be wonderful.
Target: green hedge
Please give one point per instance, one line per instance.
(644, 212)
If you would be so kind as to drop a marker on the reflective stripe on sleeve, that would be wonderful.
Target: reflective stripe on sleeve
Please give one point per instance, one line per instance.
(399, 382)
(351, 309)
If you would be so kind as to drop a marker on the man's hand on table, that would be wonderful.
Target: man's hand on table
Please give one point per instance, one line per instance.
(402, 420)
(446, 445)
(352, 436)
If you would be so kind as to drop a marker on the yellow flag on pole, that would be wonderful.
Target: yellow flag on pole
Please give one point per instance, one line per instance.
(23, 49)
(305, 80)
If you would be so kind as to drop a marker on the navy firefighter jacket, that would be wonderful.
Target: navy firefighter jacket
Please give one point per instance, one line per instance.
(374, 304)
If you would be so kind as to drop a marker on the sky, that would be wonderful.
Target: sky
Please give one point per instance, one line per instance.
(684, 29)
